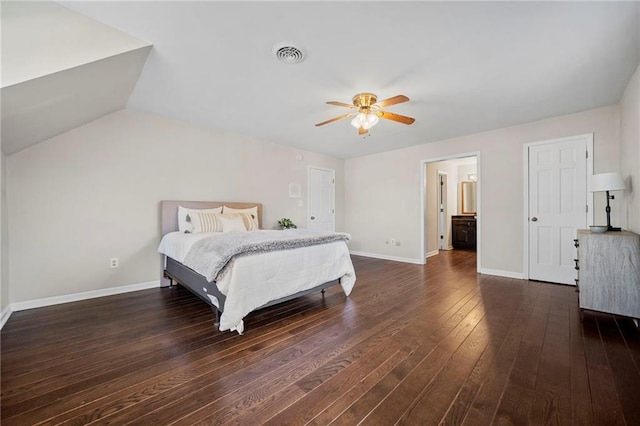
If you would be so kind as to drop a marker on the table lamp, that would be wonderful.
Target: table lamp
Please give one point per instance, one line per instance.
(607, 182)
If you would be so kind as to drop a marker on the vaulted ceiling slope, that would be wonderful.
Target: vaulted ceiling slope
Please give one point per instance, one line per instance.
(467, 66)
(60, 70)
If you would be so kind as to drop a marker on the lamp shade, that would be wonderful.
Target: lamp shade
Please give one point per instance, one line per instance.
(607, 182)
(359, 120)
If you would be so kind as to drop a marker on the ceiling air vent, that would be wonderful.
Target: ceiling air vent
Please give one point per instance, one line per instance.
(288, 53)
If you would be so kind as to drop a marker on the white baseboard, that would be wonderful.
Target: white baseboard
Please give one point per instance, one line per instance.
(433, 253)
(499, 273)
(386, 257)
(74, 297)
(4, 315)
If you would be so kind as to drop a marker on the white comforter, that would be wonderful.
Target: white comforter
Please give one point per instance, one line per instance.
(255, 280)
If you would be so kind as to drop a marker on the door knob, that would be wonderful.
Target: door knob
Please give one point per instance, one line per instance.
(534, 219)
(313, 217)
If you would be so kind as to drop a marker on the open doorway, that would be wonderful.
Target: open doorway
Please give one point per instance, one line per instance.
(451, 206)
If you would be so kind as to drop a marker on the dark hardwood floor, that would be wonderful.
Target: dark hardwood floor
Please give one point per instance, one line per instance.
(411, 345)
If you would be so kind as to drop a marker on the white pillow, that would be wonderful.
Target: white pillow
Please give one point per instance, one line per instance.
(183, 225)
(231, 223)
(253, 211)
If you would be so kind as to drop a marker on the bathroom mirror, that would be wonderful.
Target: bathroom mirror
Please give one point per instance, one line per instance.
(468, 197)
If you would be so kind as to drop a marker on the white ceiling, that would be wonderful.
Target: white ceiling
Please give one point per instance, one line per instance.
(61, 70)
(467, 67)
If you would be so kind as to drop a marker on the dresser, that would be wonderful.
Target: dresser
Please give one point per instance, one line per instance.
(608, 267)
(463, 232)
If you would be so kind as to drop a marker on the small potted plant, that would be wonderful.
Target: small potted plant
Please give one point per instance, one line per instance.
(286, 223)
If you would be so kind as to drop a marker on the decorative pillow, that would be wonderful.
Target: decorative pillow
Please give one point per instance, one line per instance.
(231, 222)
(247, 218)
(205, 222)
(183, 224)
(253, 211)
(215, 222)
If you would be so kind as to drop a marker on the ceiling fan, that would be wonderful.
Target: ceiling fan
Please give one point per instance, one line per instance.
(367, 110)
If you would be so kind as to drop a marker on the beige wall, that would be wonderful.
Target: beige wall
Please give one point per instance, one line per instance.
(91, 194)
(383, 190)
(4, 238)
(630, 150)
(81, 198)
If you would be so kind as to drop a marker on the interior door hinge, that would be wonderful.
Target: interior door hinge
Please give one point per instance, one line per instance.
(587, 208)
(333, 181)
(333, 211)
(586, 154)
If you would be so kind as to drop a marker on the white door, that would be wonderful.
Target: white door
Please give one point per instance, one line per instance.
(443, 243)
(321, 199)
(557, 207)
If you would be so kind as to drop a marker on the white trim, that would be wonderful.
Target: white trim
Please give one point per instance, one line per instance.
(433, 253)
(423, 188)
(525, 190)
(386, 257)
(499, 273)
(423, 212)
(74, 297)
(4, 315)
(333, 193)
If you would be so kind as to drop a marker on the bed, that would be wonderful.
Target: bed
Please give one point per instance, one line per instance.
(294, 263)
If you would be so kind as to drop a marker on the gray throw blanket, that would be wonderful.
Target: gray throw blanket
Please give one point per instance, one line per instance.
(210, 256)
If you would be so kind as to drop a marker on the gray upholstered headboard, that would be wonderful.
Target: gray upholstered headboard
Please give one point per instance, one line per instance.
(169, 211)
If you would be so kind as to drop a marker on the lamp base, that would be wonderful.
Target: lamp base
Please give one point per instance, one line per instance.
(608, 210)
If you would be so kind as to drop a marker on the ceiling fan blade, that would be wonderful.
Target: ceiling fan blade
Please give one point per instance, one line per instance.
(342, 117)
(398, 99)
(395, 117)
(362, 131)
(341, 104)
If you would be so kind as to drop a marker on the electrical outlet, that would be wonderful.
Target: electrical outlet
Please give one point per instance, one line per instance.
(114, 262)
(392, 241)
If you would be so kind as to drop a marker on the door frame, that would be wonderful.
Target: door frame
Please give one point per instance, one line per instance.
(333, 193)
(443, 209)
(525, 216)
(423, 189)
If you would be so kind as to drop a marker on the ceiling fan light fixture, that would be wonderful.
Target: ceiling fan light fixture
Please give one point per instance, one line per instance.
(359, 120)
(364, 120)
(368, 111)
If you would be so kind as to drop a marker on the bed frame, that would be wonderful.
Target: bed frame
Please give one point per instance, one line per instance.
(175, 272)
